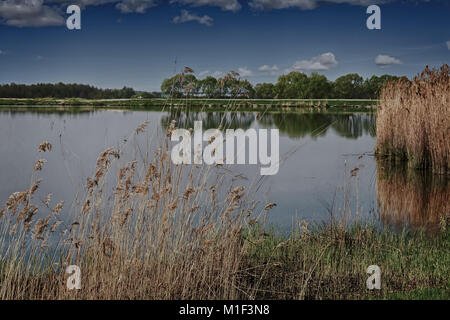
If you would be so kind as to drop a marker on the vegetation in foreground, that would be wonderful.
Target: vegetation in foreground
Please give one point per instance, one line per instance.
(413, 122)
(186, 232)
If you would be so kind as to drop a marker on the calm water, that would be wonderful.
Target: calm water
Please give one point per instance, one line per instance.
(309, 182)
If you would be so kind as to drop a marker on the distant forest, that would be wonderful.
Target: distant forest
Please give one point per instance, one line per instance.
(61, 90)
(295, 85)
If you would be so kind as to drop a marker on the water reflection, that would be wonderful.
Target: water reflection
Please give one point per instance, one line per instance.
(412, 198)
(301, 125)
(306, 180)
(293, 125)
(210, 120)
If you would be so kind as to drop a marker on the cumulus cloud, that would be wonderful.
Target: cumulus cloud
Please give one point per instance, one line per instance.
(203, 74)
(267, 68)
(217, 74)
(137, 6)
(304, 4)
(322, 62)
(1, 52)
(448, 45)
(272, 70)
(186, 16)
(82, 3)
(124, 6)
(226, 5)
(385, 60)
(29, 13)
(245, 72)
(41, 13)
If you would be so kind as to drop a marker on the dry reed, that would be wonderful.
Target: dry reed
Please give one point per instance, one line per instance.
(165, 232)
(413, 121)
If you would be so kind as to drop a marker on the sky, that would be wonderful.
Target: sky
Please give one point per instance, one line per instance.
(139, 43)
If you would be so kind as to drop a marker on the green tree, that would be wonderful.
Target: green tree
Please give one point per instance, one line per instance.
(180, 85)
(292, 86)
(318, 87)
(265, 91)
(244, 90)
(209, 87)
(349, 86)
(373, 85)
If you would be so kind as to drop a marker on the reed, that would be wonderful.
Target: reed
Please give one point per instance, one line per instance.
(165, 232)
(413, 121)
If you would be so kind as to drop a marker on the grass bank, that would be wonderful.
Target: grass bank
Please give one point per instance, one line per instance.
(330, 262)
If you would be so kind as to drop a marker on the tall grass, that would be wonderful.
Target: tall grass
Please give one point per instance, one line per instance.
(413, 122)
(165, 232)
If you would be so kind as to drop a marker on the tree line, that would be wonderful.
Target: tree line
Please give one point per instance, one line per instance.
(295, 85)
(61, 90)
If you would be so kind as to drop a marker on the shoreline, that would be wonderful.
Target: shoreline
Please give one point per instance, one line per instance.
(200, 105)
(197, 102)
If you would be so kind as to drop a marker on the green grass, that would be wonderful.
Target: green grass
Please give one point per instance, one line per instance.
(331, 263)
(422, 294)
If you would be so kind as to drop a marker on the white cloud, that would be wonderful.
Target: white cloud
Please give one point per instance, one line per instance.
(43, 13)
(217, 74)
(1, 52)
(203, 74)
(385, 60)
(124, 6)
(245, 72)
(322, 62)
(448, 45)
(226, 5)
(267, 68)
(272, 70)
(304, 4)
(137, 6)
(29, 13)
(186, 16)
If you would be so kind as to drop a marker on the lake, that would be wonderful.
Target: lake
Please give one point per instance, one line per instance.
(322, 150)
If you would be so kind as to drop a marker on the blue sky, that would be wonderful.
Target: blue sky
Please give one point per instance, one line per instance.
(135, 42)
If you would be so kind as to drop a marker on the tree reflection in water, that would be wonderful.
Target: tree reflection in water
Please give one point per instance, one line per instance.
(294, 125)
